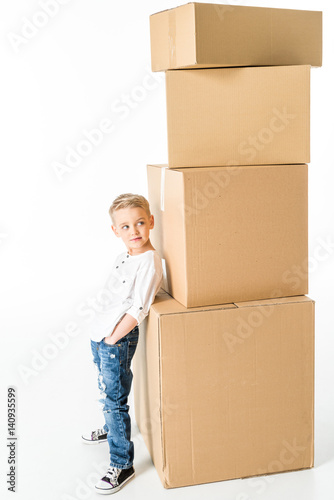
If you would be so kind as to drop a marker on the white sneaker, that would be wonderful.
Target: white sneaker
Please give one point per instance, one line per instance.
(114, 480)
(95, 437)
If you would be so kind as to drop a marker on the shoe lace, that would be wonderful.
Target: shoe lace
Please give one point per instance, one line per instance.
(112, 474)
(97, 433)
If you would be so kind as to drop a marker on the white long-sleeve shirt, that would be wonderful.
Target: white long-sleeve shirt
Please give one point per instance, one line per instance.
(130, 288)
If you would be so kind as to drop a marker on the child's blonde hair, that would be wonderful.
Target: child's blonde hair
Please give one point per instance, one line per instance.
(129, 200)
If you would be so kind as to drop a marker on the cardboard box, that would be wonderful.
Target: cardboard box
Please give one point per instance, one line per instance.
(238, 116)
(227, 391)
(231, 233)
(198, 35)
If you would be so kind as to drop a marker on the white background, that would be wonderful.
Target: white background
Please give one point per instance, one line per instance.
(56, 244)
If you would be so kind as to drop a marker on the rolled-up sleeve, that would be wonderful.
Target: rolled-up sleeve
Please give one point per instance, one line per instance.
(147, 284)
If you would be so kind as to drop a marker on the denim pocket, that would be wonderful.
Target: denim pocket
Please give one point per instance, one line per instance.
(111, 345)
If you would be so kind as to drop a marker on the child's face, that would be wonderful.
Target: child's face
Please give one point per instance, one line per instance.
(133, 226)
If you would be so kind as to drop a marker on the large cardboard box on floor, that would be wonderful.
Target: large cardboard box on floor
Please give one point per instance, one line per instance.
(197, 35)
(231, 233)
(238, 116)
(227, 391)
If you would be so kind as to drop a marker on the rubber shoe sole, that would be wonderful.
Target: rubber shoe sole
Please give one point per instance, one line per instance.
(86, 440)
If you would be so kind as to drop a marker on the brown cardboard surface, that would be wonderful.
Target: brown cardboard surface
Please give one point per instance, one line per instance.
(147, 392)
(238, 116)
(198, 35)
(227, 393)
(231, 235)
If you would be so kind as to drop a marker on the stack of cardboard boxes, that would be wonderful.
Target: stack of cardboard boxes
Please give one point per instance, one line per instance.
(224, 369)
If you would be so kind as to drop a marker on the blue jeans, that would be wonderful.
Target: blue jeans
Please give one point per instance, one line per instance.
(113, 363)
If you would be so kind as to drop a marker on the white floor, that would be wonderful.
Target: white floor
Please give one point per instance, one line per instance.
(58, 403)
(56, 243)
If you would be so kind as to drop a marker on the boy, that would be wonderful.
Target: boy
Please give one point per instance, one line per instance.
(135, 279)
